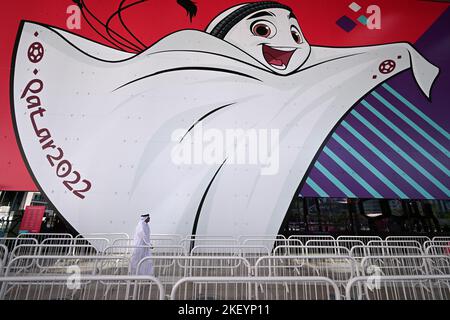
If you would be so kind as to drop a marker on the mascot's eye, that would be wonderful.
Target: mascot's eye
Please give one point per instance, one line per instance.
(263, 29)
(296, 35)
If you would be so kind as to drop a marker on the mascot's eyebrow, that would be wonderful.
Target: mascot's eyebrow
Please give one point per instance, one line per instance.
(261, 14)
(292, 16)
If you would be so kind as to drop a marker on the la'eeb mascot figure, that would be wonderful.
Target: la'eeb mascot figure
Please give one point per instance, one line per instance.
(107, 133)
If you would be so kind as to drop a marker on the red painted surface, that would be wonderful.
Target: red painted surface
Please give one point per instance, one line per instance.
(32, 219)
(402, 20)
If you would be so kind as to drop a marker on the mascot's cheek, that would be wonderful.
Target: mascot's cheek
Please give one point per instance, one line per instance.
(299, 58)
(255, 52)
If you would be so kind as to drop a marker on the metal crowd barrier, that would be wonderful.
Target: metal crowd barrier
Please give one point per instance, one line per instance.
(110, 236)
(41, 236)
(55, 265)
(159, 250)
(310, 250)
(426, 244)
(11, 243)
(305, 238)
(411, 265)
(174, 259)
(255, 288)
(248, 252)
(420, 239)
(271, 243)
(338, 268)
(85, 287)
(338, 244)
(423, 287)
(439, 264)
(170, 269)
(396, 243)
(165, 240)
(289, 251)
(406, 265)
(437, 247)
(325, 250)
(363, 239)
(359, 252)
(98, 243)
(447, 239)
(349, 244)
(190, 243)
(59, 250)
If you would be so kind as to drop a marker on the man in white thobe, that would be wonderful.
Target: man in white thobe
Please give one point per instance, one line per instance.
(142, 248)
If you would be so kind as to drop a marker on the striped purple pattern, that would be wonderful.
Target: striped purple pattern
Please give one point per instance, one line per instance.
(395, 143)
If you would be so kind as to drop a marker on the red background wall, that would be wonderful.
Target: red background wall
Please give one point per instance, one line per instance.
(402, 20)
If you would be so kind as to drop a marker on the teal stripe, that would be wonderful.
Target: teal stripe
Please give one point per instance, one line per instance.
(369, 166)
(386, 160)
(316, 188)
(402, 153)
(352, 173)
(416, 110)
(334, 180)
(411, 123)
(401, 133)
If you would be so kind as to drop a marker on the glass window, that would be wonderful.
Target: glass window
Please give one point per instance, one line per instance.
(372, 208)
(368, 216)
(396, 208)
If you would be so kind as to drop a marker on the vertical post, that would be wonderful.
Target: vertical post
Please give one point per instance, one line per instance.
(11, 209)
(407, 213)
(350, 207)
(417, 217)
(299, 218)
(428, 211)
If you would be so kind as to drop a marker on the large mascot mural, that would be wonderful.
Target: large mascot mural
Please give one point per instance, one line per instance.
(108, 133)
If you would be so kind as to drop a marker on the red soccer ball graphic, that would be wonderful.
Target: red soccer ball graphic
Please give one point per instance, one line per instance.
(387, 66)
(35, 52)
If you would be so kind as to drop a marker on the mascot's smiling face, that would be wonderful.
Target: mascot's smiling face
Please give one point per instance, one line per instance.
(273, 37)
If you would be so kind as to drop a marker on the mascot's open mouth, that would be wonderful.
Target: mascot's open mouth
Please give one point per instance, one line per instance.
(277, 57)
